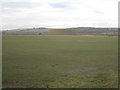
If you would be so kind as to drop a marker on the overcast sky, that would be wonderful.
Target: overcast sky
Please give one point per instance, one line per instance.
(58, 13)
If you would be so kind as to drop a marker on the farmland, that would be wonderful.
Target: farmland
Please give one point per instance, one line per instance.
(60, 61)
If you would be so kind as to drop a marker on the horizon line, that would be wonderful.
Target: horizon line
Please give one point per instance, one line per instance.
(60, 27)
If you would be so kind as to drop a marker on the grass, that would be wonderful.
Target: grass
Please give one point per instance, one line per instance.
(40, 60)
(100, 81)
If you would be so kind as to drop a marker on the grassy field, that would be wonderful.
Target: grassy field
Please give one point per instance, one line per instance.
(63, 61)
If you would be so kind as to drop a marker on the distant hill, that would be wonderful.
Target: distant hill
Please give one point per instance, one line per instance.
(31, 31)
(85, 31)
(64, 31)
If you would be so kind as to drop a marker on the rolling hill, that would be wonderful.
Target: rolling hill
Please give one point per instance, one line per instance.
(63, 31)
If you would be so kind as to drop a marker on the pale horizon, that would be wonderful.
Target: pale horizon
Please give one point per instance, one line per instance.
(17, 14)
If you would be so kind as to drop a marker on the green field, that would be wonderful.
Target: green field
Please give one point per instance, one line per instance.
(63, 61)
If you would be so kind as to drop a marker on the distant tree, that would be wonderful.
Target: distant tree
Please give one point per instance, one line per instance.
(40, 33)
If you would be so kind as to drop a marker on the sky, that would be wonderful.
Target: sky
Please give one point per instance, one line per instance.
(58, 13)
